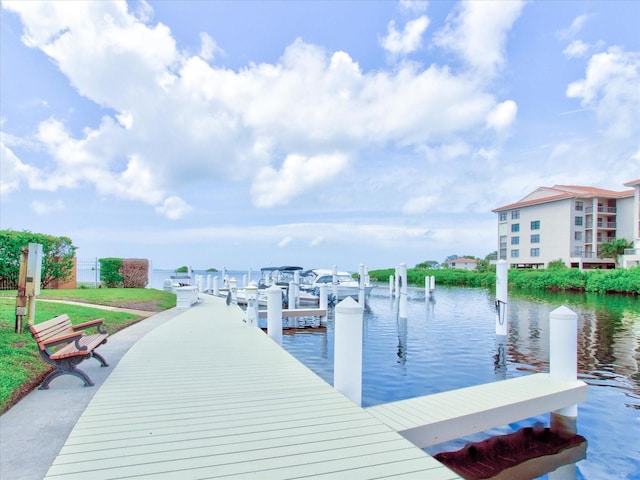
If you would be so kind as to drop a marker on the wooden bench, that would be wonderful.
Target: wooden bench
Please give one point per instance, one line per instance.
(64, 346)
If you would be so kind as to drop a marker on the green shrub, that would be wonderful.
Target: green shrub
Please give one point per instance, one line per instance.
(110, 269)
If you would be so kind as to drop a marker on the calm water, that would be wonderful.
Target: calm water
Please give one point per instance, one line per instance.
(450, 343)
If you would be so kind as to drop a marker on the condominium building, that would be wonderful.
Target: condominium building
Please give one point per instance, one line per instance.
(632, 256)
(568, 223)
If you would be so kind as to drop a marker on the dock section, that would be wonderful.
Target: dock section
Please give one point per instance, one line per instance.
(203, 396)
(445, 416)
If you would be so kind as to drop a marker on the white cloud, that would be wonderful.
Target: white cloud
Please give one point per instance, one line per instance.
(576, 49)
(178, 121)
(576, 27)
(46, 208)
(209, 48)
(173, 208)
(503, 115)
(478, 33)
(418, 205)
(316, 241)
(610, 88)
(413, 6)
(276, 187)
(407, 41)
(285, 241)
(13, 172)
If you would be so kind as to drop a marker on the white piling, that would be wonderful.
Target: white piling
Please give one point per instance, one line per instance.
(402, 298)
(334, 283)
(427, 287)
(251, 314)
(209, 279)
(233, 288)
(347, 368)
(250, 274)
(292, 296)
(397, 283)
(244, 281)
(432, 284)
(274, 313)
(323, 302)
(361, 284)
(563, 350)
(391, 284)
(216, 287)
(502, 298)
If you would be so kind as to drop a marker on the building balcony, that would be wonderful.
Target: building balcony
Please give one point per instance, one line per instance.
(581, 254)
(601, 209)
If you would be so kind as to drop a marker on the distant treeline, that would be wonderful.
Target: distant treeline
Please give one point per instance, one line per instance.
(557, 279)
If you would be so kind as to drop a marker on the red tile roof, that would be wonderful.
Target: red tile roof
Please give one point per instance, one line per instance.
(633, 182)
(562, 192)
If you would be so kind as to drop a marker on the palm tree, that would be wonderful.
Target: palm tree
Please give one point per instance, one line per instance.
(614, 248)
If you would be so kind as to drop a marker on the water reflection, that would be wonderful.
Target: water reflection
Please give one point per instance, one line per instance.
(452, 344)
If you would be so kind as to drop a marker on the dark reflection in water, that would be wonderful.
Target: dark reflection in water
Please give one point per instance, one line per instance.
(450, 343)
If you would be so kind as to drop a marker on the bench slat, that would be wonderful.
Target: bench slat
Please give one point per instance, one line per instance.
(70, 350)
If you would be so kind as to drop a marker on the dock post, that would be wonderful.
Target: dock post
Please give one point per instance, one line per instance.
(347, 358)
(432, 284)
(361, 284)
(208, 283)
(397, 283)
(323, 303)
(563, 350)
(402, 298)
(292, 321)
(391, 283)
(334, 283)
(233, 288)
(251, 314)
(502, 298)
(216, 286)
(274, 313)
(244, 280)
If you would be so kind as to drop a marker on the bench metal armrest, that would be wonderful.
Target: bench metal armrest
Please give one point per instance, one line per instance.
(69, 337)
(99, 323)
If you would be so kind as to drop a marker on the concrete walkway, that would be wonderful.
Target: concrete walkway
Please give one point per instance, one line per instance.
(34, 430)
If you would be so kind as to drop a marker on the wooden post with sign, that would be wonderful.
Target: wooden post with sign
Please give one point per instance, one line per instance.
(21, 298)
(29, 280)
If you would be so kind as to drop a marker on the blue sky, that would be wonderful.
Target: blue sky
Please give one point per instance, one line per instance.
(246, 134)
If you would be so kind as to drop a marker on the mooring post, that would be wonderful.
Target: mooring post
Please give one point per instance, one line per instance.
(347, 367)
(397, 283)
(334, 283)
(208, 283)
(402, 299)
(563, 350)
(274, 313)
(361, 284)
(432, 284)
(323, 303)
(251, 314)
(244, 280)
(502, 298)
(391, 283)
(216, 287)
(233, 288)
(427, 287)
(292, 321)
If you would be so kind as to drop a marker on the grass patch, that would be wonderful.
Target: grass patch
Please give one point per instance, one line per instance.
(22, 369)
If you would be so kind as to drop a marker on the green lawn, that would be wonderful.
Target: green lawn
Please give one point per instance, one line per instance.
(21, 367)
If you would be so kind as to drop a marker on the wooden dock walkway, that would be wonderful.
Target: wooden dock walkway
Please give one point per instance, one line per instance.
(441, 417)
(203, 396)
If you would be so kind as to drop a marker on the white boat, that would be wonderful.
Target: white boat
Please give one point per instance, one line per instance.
(346, 284)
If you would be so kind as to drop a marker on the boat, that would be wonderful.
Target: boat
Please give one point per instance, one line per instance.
(347, 285)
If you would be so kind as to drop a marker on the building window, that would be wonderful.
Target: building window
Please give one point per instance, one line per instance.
(535, 252)
(577, 236)
(579, 205)
(502, 216)
(515, 240)
(515, 253)
(515, 214)
(535, 225)
(578, 221)
(515, 227)
(535, 238)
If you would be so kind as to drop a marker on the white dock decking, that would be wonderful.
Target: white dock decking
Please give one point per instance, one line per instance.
(203, 396)
(441, 417)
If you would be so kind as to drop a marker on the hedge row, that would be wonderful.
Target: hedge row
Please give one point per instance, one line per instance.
(566, 279)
